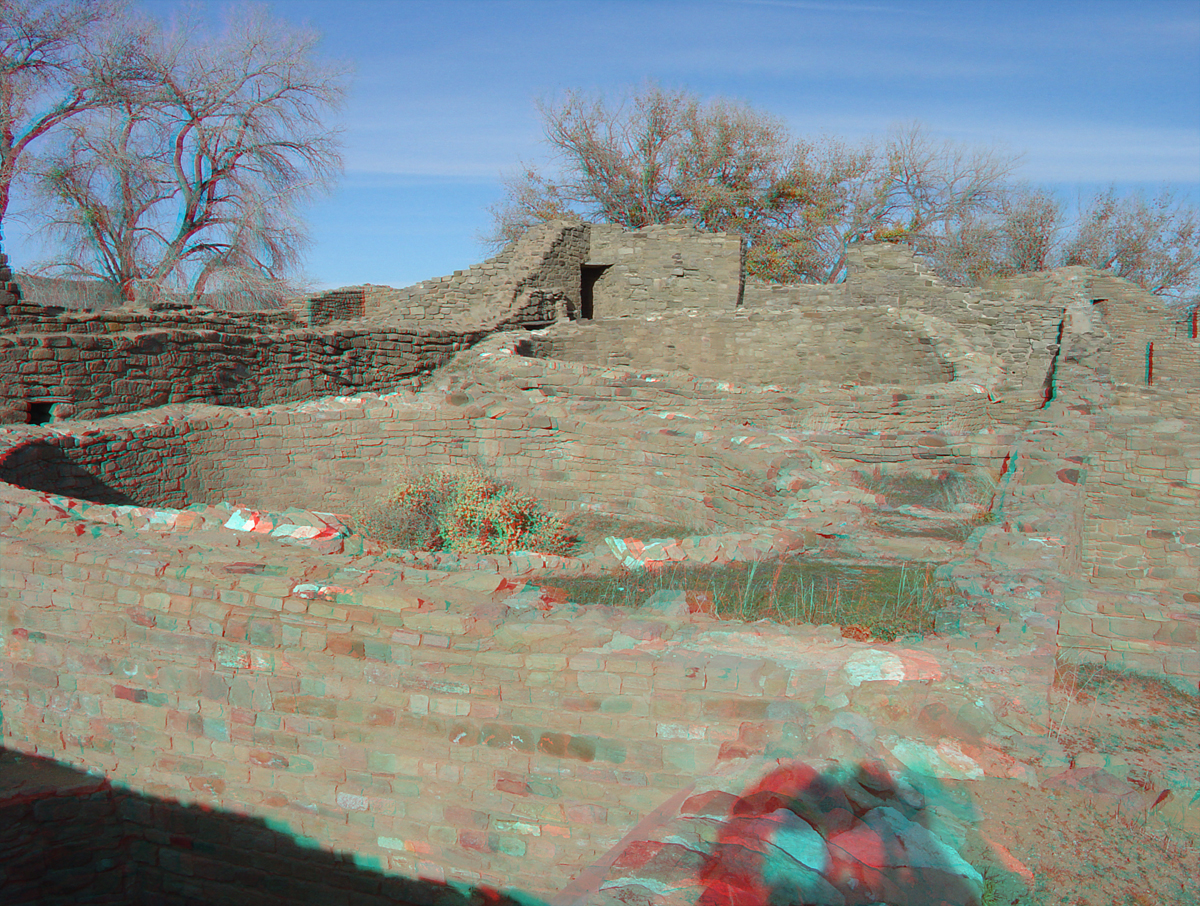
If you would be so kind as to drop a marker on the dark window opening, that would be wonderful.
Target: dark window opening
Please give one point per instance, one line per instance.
(40, 412)
(588, 275)
(1149, 363)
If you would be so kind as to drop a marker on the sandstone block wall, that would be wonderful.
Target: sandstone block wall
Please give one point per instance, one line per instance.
(770, 347)
(9, 292)
(534, 280)
(441, 298)
(90, 364)
(1143, 501)
(117, 361)
(1020, 328)
(664, 268)
(427, 737)
(758, 294)
(543, 282)
(1151, 346)
(336, 305)
(344, 458)
(963, 406)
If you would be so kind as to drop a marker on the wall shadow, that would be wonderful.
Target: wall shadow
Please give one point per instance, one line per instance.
(42, 466)
(69, 838)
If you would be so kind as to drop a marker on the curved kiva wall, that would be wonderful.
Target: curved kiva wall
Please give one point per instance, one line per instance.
(339, 458)
(792, 348)
(417, 723)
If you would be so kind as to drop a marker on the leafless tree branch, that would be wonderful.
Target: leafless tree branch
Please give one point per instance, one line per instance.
(193, 180)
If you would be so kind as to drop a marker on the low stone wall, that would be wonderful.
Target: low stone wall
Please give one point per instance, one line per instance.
(430, 730)
(334, 459)
(791, 348)
(90, 364)
(965, 405)
(115, 362)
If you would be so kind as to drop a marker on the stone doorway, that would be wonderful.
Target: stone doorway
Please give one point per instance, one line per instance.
(589, 274)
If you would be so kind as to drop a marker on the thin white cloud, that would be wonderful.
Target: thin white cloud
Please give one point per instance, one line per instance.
(816, 6)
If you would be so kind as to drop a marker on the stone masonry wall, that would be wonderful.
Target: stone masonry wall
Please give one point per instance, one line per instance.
(430, 730)
(759, 294)
(90, 364)
(1020, 327)
(437, 299)
(9, 292)
(789, 347)
(1143, 499)
(664, 268)
(534, 280)
(1143, 329)
(334, 460)
(118, 361)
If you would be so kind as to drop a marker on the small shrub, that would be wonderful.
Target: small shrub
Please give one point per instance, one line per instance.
(465, 512)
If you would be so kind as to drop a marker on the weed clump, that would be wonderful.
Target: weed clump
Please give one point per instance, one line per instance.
(465, 512)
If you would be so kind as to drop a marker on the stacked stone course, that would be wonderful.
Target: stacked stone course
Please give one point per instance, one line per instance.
(665, 268)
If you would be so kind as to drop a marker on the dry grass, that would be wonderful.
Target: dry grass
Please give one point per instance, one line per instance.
(879, 602)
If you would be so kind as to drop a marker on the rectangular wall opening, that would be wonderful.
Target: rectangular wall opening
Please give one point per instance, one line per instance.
(588, 275)
(40, 412)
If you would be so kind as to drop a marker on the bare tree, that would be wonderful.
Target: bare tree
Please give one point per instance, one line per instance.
(190, 178)
(57, 60)
(1019, 236)
(655, 157)
(663, 156)
(1153, 242)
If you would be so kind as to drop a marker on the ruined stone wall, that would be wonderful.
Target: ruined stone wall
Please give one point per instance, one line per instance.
(438, 299)
(1143, 500)
(335, 459)
(964, 406)
(430, 731)
(543, 282)
(791, 348)
(759, 294)
(1151, 345)
(534, 280)
(336, 305)
(119, 361)
(1018, 324)
(9, 291)
(664, 268)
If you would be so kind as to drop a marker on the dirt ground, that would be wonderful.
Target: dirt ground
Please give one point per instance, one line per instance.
(1100, 838)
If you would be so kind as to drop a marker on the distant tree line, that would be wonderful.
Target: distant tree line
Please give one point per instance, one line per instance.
(166, 160)
(660, 156)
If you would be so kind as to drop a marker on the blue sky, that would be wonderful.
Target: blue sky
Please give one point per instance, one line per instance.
(443, 95)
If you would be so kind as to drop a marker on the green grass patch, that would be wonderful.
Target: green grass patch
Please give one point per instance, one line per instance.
(885, 601)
